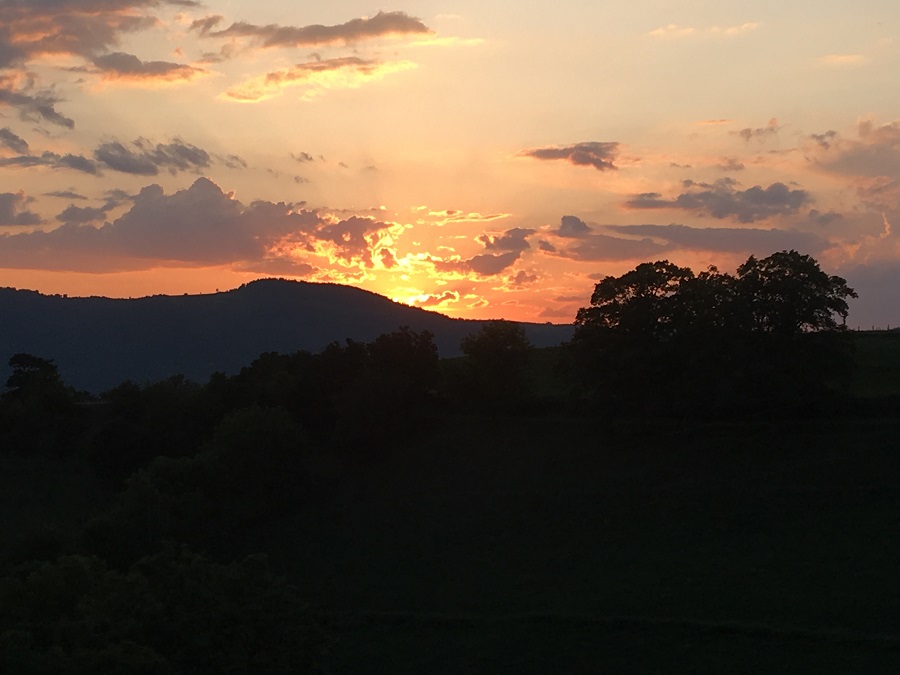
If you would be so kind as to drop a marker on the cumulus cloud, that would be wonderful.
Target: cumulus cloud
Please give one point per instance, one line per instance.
(144, 158)
(66, 194)
(600, 155)
(127, 67)
(82, 214)
(875, 152)
(722, 200)
(731, 164)
(201, 225)
(346, 72)
(572, 227)
(14, 210)
(383, 24)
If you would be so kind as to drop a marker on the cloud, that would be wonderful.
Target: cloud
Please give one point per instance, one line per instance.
(65, 194)
(437, 300)
(349, 238)
(760, 133)
(383, 24)
(346, 72)
(674, 31)
(146, 159)
(721, 200)
(600, 155)
(127, 67)
(488, 264)
(303, 157)
(52, 160)
(573, 227)
(14, 210)
(33, 104)
(842, 60)
(15, 143)
(875, 152)
(82, 214)
(601, 247)
(281, 266)
(511, 240)
(731, 164)
(727, 239)
(201, 225)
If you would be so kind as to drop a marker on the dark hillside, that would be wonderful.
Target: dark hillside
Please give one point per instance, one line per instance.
(99, 342)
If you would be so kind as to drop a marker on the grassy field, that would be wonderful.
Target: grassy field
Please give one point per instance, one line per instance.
(553, 545)
(877, 356)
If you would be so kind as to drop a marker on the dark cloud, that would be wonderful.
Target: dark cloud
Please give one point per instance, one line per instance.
(722, 200)
(826, 218)
(272, 35)
(760, 133)
(14, 210)
(511, 240)
(825, 140)
(300, 180)
(233, 162)
(198, 226)
(522, 279)
(726, 239)
(82, 214)
(601, 247)
(33, 104)
(146, 159)
(599, 155)
(52, 160)
(15, 143)
(65, 194)
(350, 237)
(879, 300)
(488, 265)
(546, 246)
(303, 157)
(572, 227)
(121, 66)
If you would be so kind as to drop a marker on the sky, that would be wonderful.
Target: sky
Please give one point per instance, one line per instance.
(484, 160)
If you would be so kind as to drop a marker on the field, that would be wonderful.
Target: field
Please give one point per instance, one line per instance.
(560, 546)
(581, 543)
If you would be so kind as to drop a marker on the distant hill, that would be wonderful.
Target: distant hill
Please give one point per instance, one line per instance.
(100, 342)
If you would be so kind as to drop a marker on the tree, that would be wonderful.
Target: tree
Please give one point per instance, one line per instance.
(662, 337)
(495, 366)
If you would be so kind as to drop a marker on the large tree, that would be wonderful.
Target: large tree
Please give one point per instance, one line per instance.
(663, 337)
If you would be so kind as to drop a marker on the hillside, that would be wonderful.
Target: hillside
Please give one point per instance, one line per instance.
(100, 342)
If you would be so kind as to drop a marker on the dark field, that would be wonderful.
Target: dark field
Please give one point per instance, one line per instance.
(560, 545)
(579, 543)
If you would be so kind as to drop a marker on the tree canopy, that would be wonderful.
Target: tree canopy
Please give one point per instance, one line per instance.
(769, 333)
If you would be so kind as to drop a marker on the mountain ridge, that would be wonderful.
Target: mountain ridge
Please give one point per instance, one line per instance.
(100, 342)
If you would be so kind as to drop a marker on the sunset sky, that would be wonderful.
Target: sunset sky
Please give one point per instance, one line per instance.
(485, 160)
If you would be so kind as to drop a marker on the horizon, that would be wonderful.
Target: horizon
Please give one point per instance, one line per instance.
(443, 155)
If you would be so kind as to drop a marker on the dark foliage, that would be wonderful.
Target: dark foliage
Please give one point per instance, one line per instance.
(660, 339)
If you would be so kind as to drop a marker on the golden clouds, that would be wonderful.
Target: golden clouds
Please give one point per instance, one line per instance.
(316, 77)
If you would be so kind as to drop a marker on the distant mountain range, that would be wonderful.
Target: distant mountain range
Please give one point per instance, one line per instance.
(98, 343)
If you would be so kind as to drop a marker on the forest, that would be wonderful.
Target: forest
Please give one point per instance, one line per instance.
(704, 478)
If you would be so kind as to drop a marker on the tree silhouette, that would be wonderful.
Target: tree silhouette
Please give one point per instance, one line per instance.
(660, 337)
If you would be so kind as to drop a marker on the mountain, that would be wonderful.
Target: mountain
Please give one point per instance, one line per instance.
(98, 343)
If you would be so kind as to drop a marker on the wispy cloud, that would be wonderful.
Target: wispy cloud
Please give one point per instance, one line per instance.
(348, 72)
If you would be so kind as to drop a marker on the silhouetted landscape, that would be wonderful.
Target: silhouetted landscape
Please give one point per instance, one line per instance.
(699, 475)
(98, 343)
